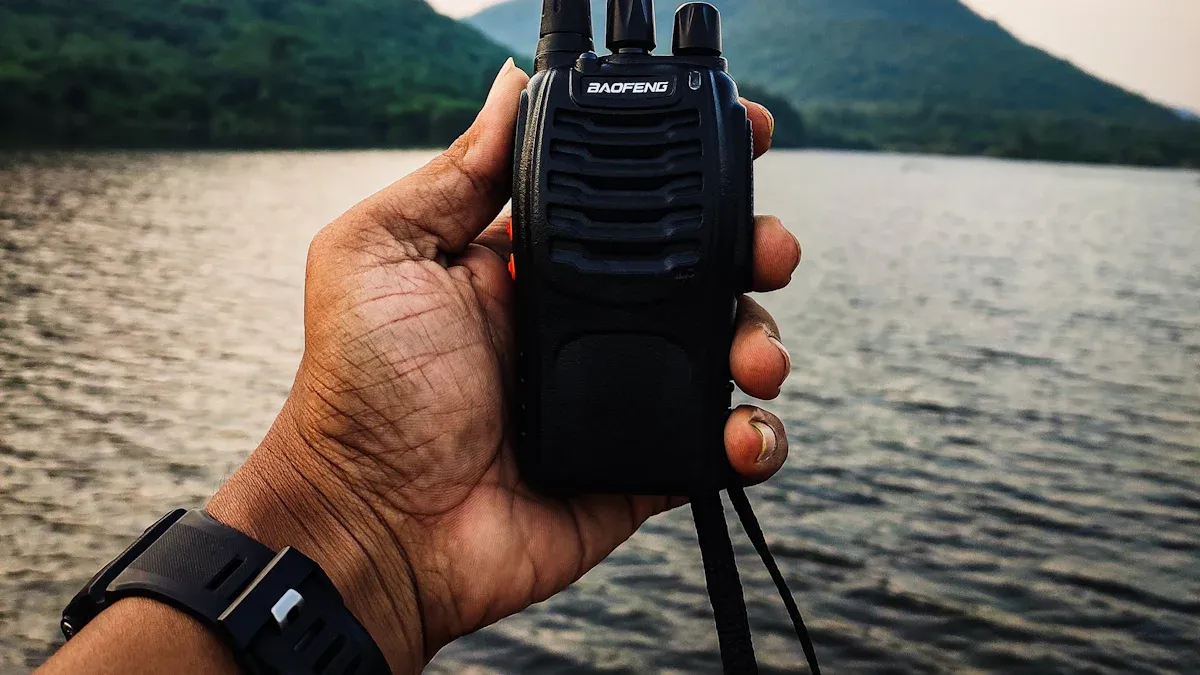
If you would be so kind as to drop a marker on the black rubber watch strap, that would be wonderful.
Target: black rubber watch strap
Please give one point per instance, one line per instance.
(279, 612)
(285, 620)
(201, 563)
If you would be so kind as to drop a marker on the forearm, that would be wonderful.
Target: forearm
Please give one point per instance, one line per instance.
(280, 498)
(137, 635)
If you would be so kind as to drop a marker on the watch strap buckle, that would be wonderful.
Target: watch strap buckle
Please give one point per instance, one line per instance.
(273, 598)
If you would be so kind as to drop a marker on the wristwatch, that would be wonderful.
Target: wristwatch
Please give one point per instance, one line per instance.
(279, 612)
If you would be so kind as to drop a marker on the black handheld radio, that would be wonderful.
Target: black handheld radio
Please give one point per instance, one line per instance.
(631, 227)
(632, 236)
(632, 220)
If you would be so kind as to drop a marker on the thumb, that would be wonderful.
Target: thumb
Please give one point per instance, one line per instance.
(443, 206)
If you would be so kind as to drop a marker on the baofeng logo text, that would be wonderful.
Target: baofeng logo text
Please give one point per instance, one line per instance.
(612, 87)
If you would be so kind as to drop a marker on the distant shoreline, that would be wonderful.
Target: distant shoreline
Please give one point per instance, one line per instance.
(10, 151)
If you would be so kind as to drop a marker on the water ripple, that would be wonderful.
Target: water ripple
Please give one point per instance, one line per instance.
(994, 412)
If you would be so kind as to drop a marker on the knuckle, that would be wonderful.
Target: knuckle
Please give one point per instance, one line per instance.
(318, 248)
(478, 181)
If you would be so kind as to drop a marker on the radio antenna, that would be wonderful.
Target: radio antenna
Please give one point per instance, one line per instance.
(565, 34)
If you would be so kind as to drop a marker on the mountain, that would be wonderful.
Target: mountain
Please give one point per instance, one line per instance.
(238, 72)
(907, 75)
(915, 75)
(931, 52)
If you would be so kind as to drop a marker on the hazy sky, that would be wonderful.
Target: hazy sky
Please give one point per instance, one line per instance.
(1149, 46)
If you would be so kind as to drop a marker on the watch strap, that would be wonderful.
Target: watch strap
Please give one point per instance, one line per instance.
(279, 612)
(198, 564)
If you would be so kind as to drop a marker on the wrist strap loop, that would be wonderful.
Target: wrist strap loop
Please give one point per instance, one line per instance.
(725, 587)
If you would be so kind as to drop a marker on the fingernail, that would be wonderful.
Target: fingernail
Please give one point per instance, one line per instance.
(787, 357)
(508, 65)
(768, 441)
(770, 121)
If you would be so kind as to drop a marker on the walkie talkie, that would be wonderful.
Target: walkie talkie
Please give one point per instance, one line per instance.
(632, 237)
(632, 232)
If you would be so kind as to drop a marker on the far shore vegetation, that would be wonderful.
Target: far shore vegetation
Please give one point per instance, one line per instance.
(379, 73)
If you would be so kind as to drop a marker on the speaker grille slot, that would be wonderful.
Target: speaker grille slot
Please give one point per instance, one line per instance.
(588, 184)
(581, 153)
(628, 123)
(627, 259)
(625, 191)
(607, 226)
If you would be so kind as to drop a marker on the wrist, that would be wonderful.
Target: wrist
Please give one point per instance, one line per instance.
(285, 495)
(165, 639)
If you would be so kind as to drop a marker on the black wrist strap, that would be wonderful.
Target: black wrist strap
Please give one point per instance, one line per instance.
(279, 612)
(725, 586)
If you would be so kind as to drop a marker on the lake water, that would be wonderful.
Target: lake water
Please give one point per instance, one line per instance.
(994, 412)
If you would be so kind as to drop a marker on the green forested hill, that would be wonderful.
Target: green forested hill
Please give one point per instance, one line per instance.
(920, 75)
(912, 75)
(238, 72)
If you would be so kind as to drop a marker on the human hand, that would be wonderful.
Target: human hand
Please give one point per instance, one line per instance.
(392, 464)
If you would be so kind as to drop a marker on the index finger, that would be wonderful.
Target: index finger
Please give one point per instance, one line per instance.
(763, 123)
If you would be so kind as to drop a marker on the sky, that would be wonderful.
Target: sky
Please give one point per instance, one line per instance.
(1148, 46)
